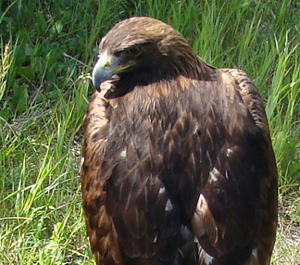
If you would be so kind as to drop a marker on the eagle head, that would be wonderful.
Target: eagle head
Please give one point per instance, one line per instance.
(142, 50)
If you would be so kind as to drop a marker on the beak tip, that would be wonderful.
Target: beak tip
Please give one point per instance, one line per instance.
(96, 82)
(99, 75)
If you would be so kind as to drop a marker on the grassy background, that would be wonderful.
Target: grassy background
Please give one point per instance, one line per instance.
(47, 49)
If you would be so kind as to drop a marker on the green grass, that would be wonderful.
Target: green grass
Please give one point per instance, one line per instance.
(43, 95)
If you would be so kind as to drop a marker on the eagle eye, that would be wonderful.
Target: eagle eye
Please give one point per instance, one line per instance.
(134, 51)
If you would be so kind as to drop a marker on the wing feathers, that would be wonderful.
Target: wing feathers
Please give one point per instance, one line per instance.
(177, 169)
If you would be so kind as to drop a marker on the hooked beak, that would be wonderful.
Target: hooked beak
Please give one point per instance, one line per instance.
(107, 66)
(102, 70)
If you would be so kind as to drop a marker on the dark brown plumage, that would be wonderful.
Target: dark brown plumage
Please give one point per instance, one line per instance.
(178, 166)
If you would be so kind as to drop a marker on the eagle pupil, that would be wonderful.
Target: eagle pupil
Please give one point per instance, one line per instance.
(135, 51)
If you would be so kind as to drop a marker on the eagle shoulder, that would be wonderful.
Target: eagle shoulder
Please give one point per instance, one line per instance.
(100, 228)
(250, 95)
(235, 217)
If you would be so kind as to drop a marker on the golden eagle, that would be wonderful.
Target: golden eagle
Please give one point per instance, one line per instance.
(178, 167)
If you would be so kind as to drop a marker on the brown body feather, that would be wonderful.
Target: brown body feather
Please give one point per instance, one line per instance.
(178, 165)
